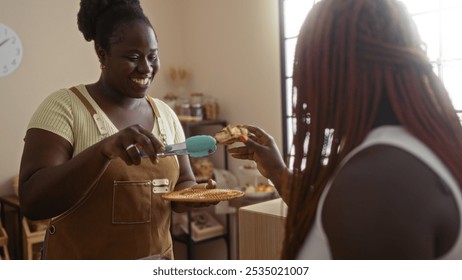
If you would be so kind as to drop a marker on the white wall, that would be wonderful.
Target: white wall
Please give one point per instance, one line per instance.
(230, 47)
(233, 49)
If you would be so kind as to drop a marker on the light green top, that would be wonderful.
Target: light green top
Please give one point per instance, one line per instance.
(64, 114)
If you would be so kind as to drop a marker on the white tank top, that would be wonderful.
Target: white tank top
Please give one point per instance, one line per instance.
(316, 245)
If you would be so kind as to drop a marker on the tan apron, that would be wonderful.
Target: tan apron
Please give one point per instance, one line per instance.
(122, 217)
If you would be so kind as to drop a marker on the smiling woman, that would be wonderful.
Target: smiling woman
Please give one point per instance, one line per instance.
(80, 166)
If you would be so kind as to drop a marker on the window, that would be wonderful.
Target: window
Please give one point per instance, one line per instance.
(437, 21)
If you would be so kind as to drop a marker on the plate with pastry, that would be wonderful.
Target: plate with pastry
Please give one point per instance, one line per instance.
(203, 195)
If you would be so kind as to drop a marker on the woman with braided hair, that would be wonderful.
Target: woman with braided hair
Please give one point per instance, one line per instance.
(378, 144)
(82, 165)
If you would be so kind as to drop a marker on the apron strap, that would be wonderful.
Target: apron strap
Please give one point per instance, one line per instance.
(162, 133)
(100, 124)
(98, 121)
(84, 100)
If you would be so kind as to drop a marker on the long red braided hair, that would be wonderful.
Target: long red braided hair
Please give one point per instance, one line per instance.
(350, 56)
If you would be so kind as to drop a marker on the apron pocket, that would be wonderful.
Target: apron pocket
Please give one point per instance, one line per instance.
(131, 202)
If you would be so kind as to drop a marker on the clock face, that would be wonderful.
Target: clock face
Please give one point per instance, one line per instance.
(10, 50)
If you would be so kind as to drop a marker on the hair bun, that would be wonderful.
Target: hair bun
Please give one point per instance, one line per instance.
(90, 10)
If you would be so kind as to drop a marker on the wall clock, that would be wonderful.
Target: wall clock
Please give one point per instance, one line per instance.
(11, 50)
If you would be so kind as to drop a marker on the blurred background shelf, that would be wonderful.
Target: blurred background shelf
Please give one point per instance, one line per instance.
(218, 160)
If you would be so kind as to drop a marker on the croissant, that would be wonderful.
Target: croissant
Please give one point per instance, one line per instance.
(230, 134)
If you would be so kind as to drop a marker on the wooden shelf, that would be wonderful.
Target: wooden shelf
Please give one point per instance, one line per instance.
(12, 201)
(185, 238)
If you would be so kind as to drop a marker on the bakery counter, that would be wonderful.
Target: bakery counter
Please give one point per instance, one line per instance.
(261, 230)
(247, 200)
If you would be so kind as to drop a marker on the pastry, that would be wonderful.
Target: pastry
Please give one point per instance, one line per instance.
(202, 168)
(230, 134)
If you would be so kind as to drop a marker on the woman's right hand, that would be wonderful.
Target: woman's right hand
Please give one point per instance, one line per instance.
(261, 148)
(130, 144)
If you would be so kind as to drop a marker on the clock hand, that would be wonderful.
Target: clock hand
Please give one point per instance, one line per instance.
(6, 40)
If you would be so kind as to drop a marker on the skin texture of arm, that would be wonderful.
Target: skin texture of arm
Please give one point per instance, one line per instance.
(50, 182)
(386, 204)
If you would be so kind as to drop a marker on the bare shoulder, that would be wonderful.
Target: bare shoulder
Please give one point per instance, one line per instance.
(385, 203)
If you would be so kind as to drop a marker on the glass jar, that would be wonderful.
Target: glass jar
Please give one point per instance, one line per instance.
(210, 108)
(183, 108)
(196, 98)
(197, 111)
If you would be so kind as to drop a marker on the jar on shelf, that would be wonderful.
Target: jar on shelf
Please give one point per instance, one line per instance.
(197, 111)
(183, 108)
(196, 98)
(211, 108)
(170, 98)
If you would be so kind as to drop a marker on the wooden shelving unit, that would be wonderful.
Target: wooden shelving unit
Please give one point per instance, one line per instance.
(191, 129)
